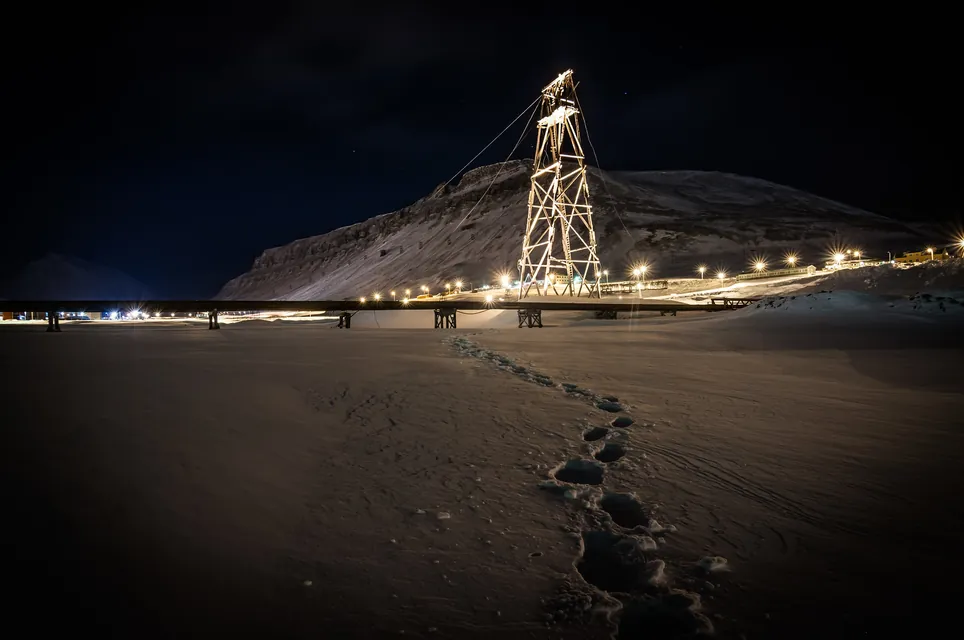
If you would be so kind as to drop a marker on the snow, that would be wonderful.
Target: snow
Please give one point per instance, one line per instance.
(673, 220)
(787, 471)
(847, 303)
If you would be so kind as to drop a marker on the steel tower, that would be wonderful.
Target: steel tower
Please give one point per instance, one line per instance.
(559, 221)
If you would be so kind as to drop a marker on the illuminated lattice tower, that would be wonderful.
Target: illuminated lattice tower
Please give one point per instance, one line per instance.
(559, 246)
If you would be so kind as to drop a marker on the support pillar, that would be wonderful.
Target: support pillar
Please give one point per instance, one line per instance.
(344, 320)
(213, 319)
(445, 319)
(530, 318)
(53, 322)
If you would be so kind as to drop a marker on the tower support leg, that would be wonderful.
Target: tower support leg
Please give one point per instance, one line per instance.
(213, 320)
(530, 318)
(445, 319)
(53, 322)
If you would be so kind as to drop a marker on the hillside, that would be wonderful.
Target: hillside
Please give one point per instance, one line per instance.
(57, 277)
(673, 221)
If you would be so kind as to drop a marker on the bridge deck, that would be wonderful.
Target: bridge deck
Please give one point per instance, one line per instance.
(200, 306)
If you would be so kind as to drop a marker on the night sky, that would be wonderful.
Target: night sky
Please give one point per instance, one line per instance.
(177, 146)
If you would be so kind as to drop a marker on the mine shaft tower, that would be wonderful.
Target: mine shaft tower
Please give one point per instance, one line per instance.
(559, 246)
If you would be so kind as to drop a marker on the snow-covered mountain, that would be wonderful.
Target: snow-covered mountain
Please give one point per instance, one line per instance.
(672, 220)
(58, 277)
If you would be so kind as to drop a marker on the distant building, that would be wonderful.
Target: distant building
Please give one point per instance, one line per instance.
(853, 263)
(914, 257)
(776, 273)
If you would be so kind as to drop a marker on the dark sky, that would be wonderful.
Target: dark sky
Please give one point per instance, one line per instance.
(177, 145)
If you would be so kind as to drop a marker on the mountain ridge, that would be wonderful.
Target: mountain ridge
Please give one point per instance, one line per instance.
(670, 219)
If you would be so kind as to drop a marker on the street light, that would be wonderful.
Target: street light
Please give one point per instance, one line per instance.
(408, 293)
(606, 271)
(838, 258)
(702, 270)
(458, 285)
(393, 296)
(930, 250)
(857, 254)
(377, 297)
(640, 274)
(362, 300)
(505, 281)
(760, 265)
(791, 260)
(721, 275)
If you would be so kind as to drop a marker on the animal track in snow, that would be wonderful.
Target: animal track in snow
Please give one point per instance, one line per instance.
(675, 614)
(594, 433)
(611, 452)
(625, 510)
(618, 563)
(466, 347)
(579, 472)
(608, 405)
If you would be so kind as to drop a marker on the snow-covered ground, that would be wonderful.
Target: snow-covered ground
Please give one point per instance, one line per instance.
(787, 470)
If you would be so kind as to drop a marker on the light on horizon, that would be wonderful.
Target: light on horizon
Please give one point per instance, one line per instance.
(639, 270)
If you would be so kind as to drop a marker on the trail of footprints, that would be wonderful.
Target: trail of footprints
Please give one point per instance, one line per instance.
(617, 534)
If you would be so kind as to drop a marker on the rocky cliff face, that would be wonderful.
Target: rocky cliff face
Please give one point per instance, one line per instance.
(672, 220)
